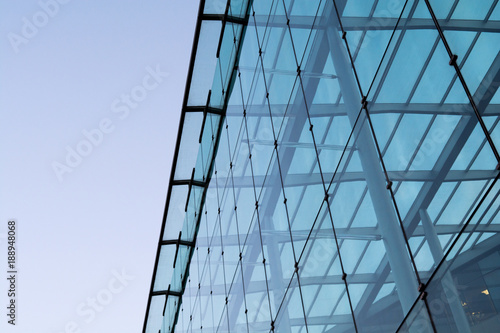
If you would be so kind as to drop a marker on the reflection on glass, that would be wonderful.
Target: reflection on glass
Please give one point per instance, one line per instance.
(345, 175)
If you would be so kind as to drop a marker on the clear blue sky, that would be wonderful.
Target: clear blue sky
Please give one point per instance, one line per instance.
(90, 97)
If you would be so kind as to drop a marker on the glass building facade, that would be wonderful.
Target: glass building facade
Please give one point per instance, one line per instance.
(336, 170)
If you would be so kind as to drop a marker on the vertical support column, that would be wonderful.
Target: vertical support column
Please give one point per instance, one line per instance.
(388, 223)
(449, 288)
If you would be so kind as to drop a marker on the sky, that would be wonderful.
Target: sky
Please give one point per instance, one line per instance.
(90, 99)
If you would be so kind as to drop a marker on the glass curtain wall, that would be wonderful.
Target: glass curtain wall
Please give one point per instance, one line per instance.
(336, 171)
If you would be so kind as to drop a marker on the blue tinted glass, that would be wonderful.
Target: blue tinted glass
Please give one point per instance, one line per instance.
(321, 210)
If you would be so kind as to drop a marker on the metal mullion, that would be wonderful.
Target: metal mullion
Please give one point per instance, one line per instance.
(221, 17)
(490, 11)
(202, 108)
(177, 241)
(452, 10)
(166, 293)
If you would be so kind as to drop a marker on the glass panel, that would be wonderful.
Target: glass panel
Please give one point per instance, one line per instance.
(189, 146)
(215, 6)
(205, 63)
(155, 317)
(208, 140)
(225, 64)
(179, 272)
(164, 268)
(238, 8)
(169, 314)
(176, 212)
(192, 214)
